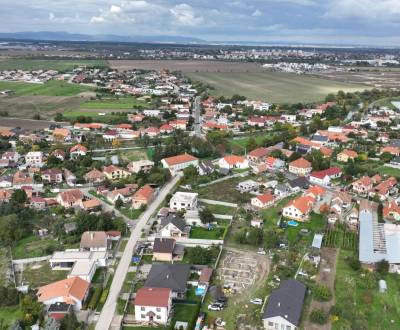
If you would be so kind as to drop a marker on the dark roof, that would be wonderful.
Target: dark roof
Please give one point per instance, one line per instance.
(164, 245)
(206, 166)
(59, 307)
(176, 220)
(300, 182)
(173, 277)
(286, 301)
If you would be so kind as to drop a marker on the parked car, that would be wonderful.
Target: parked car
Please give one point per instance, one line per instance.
(215, 307)
(256, 301)
(261, 251)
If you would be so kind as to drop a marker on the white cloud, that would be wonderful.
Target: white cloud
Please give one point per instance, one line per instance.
(257, 13)
(115, 9)
(184, 15)
(97, 19)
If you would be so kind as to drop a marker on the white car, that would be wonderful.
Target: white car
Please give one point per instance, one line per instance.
(215, 307)
(256, 301)
(262, 252)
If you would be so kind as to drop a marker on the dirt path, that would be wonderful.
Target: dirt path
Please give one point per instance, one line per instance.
(326, 276)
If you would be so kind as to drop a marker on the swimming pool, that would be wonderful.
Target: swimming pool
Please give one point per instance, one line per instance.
(293, 223)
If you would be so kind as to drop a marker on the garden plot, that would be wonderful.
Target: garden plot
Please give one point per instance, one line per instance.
(238, 271)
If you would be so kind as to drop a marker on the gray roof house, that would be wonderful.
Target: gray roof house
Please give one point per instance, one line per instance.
(171, 276)
(284, 307)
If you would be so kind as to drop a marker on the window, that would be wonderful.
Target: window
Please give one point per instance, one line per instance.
(142, 308)
(288, 327)
(276, 326)
(158, 317)
(158, 309)
(143, 316)
(271, 324)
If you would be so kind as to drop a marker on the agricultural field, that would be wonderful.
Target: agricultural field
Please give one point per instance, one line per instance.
(58, 65)
(49, 88)
(360, 303)
(121, 103)
(276, 87)
(340, 238)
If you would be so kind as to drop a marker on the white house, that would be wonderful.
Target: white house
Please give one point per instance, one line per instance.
(233, 161)
(142, 165)
(263, 201)
(153, 305)
(183, 201)
(324, 177)
(247, 186)
(34, 158)
(180, 162)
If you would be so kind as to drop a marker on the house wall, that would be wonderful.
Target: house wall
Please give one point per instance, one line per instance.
(278, 323)
(161, 313)
(158, 256)
(293, 213)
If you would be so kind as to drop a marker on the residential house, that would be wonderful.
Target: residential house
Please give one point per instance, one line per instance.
(143, 165)
(363, 185)
(59, 154)
(257, 155)
(153, 305)
(173, 226)
(61, 134)
(300, 167)
(263, 201)
(184, 201)
(94, 176)
(346, 155)
(205, 168)
(113, 172)
(143, 197)
(395, 151)
(122, 194)
(233, 161)
(70, 177)
(72, 291)
(178, 163)
(282, 190)
(299, 208)
(166, 249)
(5, 195)
(52, 175)
(274, 164)
(12, 156)
(6, 181)
(284, 306)
(324, 177)
(248, 186)
(77, 151)
(170, 276)
(391, 212)
(34, 158)
(70, 198)
(94, 241)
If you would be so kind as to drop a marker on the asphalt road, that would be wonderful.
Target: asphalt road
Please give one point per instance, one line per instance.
(108, 311)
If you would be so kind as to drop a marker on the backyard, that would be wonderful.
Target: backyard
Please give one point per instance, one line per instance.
(39, 274)
(358, 298)
(205, 233)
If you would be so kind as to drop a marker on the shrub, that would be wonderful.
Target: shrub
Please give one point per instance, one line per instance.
(95, 298)
(354, 263)
(318, 316)
(322, 293)
(382, 267)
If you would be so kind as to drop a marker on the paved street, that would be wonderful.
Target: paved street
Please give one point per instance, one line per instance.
(108, 310)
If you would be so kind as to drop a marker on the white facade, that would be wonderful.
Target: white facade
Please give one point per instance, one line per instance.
(278, 322)
(144, 313)
(239, 164)
(34, 158)
(183, 201)
(325, 181)
(180, 166)
(140, 165)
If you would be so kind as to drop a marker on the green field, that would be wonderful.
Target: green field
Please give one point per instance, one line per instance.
(389, 171)
(121, 103)
(9, 314)
(276, 87)
(385, 102)
(357, 296)
(204, 233)
(50, 88)
(58, 65)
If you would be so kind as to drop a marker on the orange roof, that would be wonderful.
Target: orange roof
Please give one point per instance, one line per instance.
(71, 196)
(91, 204)
(303, 204)
(71, 287)
(364, 181)
(156, 297)
(391, 150)
(259, 152)
(78, 147)
(349, 153)
(234, 159)
(302, 140)
(326, 151)
(145, 193)
(61, 132)
(185, 158)
(265, 198)
(316, 191)
(300, 163)
(112, 168)
(390, 209)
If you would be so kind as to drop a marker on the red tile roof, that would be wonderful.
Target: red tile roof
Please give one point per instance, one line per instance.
(234, 159)
(156, 297)
(185, 158)
(300, 163)
(70, 287)
(328, 172)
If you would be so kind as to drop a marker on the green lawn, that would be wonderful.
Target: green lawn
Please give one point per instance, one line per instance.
(9, 314)
(276, 87)
(185, 313)
(50, 88)
(131, 213)
(271, 215)
(33, 246)
(40, 274)
(204, 233)
(121, 103)
(389, 171)
(59, 65)
(316, 224)
(220, 209)
(363, 307)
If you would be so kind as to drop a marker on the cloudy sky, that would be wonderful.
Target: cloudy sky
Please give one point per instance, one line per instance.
(373, 22)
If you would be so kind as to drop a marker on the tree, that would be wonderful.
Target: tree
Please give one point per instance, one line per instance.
(206, 215)
(202, 256)
(8, 296)
(386, 157)
(382, 267)
(190, 172)
(118, 203)
(70, 322)
(19, 196)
